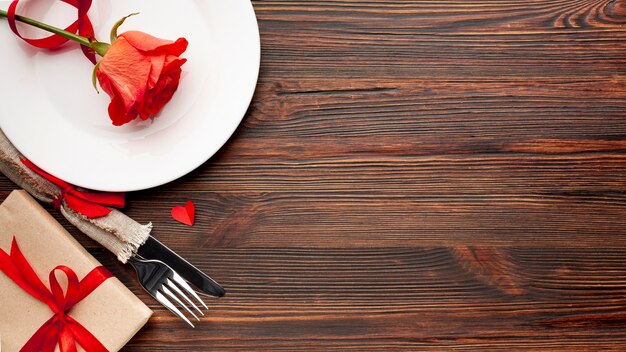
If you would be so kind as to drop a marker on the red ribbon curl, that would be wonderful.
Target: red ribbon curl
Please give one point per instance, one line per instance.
(61, 328)
(90, 204)
(82, 26)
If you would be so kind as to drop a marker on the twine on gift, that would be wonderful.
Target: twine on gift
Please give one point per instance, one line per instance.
(90, 204)
(61, 328)
(82, 26)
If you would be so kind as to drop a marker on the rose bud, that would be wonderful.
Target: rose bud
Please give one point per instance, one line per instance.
(140, 73)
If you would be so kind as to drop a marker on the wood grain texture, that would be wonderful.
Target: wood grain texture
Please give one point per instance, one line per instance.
(413, 175)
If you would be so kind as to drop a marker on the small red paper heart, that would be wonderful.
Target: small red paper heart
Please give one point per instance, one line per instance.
(184, 214)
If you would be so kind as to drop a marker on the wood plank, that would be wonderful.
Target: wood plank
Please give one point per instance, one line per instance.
(440, 39)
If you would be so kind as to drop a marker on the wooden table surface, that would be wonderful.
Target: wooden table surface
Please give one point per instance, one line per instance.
(412, 175)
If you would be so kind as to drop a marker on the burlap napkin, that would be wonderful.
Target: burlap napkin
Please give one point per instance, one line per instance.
(116, 231)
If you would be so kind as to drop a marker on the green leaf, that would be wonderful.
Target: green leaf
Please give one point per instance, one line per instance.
(94, 78)
(117, 25)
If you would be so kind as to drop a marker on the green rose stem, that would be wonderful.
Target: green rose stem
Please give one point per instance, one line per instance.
(99, 47)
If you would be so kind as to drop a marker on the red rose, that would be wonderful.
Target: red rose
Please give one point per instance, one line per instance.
(140, 73)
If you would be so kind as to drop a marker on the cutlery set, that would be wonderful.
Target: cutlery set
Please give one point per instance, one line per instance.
(166, 277)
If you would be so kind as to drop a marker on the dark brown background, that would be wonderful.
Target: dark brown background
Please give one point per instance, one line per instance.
(413, 175)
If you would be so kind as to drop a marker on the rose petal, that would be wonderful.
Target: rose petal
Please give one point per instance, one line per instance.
(147, 43)
(157, 63)
(165, 88)
(127, 71)
(118, 114)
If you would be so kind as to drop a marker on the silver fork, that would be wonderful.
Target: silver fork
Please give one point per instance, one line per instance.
(165, 285)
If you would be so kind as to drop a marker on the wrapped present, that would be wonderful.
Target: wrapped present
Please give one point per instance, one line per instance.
(67, 298)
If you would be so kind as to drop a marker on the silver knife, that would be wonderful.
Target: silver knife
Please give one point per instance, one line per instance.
(153, 249)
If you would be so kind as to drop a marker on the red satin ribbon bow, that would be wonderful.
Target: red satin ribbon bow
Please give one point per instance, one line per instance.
(90, 204)
(61, 328)
(82, 25)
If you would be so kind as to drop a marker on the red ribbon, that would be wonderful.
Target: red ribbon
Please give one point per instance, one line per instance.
(61, 328)
(90, 204)
(82, 25)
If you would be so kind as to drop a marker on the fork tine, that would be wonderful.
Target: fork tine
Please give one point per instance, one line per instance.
(169, 293)
(180, 293)
(164, 301)
(181, 282)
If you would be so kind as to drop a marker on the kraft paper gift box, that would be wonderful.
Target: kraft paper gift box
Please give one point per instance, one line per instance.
(111, 312)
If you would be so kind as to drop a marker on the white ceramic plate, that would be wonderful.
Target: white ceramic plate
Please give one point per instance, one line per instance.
(51, 113)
